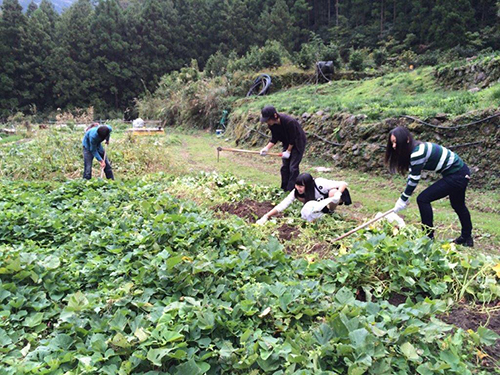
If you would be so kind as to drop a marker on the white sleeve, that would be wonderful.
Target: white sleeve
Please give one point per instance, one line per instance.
(286, 202)
(326, 185)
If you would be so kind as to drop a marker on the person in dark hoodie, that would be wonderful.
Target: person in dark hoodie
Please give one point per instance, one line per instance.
(286, 129)
(92, 148)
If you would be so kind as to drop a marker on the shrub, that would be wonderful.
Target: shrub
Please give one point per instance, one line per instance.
(216, 65)
(357, 61)
(271, 55)
(407, 58)
(429, 58)
(316, 50)
(379, 56)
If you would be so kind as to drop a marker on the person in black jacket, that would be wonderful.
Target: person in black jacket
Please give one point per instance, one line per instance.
(286, 129)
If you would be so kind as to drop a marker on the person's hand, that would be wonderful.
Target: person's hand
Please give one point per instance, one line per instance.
(262, 220)
(264, 151)
(103, 163)
(400, 205)
(336, 197)
(285, 154)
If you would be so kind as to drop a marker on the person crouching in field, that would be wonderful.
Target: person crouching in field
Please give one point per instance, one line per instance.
(404, 154)
(319, 196)
(92, 148)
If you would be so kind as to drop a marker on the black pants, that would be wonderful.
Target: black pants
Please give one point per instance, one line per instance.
(87, 164)
(290, 169)
(453, 186)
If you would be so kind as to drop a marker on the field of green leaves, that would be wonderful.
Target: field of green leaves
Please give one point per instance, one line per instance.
(122, 277)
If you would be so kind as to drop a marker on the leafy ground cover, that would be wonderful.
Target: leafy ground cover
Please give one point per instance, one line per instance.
(371, 194)
(55, 154)
(124, 277)
(9, 138)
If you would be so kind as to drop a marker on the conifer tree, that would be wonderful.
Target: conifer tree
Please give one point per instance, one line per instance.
(75, 86)
(38, 59)
(12, 35)
(108, 48)
(280, 24)
(31, 9)
(159, 43)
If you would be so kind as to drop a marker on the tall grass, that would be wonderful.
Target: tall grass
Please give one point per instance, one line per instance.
(57, 155)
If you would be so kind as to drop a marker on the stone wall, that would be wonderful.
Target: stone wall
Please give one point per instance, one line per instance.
(474, 75)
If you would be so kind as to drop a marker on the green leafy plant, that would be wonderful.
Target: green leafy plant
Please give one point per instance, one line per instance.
(105, 277)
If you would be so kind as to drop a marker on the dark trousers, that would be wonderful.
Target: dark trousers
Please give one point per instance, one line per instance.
(453, 186)
(87, 164)
(290, 169)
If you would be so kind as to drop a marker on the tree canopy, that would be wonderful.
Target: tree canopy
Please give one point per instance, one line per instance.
(107, 53)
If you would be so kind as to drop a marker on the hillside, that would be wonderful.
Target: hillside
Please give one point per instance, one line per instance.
(347, 120)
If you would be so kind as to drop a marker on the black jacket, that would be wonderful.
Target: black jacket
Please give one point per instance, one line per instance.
(289, 132)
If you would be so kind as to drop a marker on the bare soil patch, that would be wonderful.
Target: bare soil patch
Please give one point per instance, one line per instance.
(321, 249)
(288, 232)
(248, 209)
(397, 299)
(251, 210)
(471, 317)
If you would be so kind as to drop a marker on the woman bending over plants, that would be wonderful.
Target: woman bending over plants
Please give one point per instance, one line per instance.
(404, 154)
(319, 196)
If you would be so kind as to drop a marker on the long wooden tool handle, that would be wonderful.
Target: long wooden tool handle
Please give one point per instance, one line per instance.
(247, 151)
(102, 169)
(363, 225)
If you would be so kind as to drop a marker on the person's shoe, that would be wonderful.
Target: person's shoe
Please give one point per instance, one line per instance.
(465, 241)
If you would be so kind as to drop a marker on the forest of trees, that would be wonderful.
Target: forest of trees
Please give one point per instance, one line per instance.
(107, 53)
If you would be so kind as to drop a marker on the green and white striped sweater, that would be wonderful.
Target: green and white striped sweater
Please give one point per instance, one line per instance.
(431, 157)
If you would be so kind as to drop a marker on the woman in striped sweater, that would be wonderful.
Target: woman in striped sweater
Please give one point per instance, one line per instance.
(404, 154)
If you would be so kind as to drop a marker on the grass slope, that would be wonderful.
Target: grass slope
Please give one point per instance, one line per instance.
(406, 93)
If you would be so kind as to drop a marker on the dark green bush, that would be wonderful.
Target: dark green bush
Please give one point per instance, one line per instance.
(379, 56)
(357, 61)
(216, 65)
(316, 50)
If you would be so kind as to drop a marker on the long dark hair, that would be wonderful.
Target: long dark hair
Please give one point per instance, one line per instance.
(399, 159)
(306, 180)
